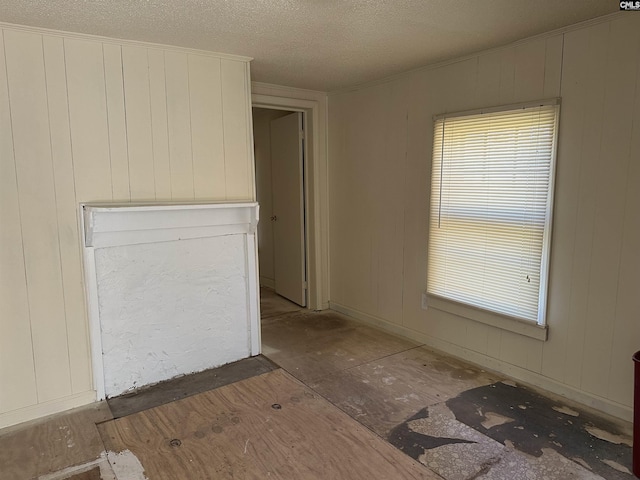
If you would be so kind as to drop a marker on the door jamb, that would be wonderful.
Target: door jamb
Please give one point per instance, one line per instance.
(314, 107)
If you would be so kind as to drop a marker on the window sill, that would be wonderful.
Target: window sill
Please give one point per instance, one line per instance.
(511, 324)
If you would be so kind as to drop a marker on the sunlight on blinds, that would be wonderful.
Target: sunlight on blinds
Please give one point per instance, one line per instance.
(491, 194)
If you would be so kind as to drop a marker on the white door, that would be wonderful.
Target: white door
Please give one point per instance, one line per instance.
(287, 169)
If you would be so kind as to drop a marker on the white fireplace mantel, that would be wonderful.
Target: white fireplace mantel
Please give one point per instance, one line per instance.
(172, 289)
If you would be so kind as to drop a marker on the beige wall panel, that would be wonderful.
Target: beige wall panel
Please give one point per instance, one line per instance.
(617, 121)
(116, 117)
(455, 87)
(357, 227)
(16, 353)
(236, 114)
(88, 119)
(626, 329)
(135, 68)
(83, 121)
(207, 128)
(586, 67)
(337, 149)
(553, 66)
(553, 351)
(583, 89)
(530, 70)
(568, 167)
(179, 123)
(337, 131)
(370, 165)
(477, 337)
(416, 195)
(488, 89)
(446, 326)
(508, 77)
(67, 213)
(521, 351)
(360, 219)
(494, 340)
(159, 125)
(36, 191)
(390, 205)
(592, 76)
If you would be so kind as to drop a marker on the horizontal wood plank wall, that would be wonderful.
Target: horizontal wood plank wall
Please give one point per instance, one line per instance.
(83, 120)
(380, 161)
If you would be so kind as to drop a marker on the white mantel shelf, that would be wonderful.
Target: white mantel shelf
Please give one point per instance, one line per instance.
(108, 225)
(171, 289)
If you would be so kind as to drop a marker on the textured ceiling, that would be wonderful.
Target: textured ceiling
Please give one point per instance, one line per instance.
(317, 44)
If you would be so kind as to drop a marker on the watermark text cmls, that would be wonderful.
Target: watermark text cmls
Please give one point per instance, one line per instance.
(630, 5)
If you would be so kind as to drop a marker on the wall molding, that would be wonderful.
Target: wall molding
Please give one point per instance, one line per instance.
(44, 409)
(433, 66)
(290, 92)
(525, 376)
(120, 41)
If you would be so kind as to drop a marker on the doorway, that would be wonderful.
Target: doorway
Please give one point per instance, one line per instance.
(280, 159)
(316, 174)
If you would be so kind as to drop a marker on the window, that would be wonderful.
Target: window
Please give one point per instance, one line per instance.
(490, 212)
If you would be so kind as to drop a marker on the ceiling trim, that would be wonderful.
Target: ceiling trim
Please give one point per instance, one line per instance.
(284, 91)
(432, 66)
(121, 41)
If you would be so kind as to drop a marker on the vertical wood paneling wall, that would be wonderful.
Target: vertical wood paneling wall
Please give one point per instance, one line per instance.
(380, 161)
(84, 120)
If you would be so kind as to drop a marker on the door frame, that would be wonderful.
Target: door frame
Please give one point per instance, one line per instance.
(313, 105)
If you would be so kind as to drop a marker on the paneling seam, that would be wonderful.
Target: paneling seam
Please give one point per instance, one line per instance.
(15, 171)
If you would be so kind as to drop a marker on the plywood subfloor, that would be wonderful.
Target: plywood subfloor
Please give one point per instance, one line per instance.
(52, 444)
(269, 426)
(273, 305)
(383, 393)
(312, 345)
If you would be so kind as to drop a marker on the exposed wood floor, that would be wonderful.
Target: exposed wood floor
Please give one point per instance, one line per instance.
(348, 402)
(269, 426)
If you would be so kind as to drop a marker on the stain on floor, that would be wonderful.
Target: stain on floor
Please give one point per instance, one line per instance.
(414, 443)
(539, 423)
(505, 431)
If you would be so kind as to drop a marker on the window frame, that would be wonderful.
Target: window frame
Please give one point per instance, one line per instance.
(535, 329)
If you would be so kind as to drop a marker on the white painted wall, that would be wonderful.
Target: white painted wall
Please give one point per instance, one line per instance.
(262, 147)
(85, 119)
(171, 308)
(379, 163)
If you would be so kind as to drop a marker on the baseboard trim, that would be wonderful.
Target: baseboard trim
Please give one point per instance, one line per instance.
(39, 410)
(267, 282)
(484, 361)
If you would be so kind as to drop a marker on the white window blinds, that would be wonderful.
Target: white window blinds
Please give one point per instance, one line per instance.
(490, 213)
